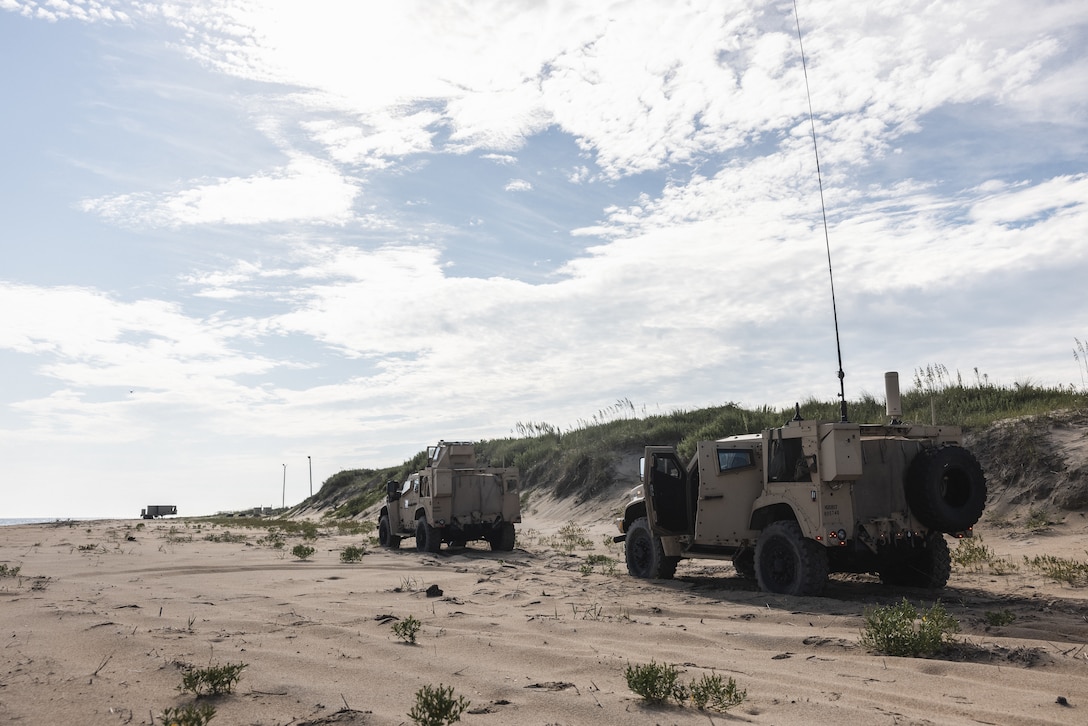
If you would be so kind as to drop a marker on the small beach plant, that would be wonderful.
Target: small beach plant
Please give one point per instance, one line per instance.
(407, 629)
(656, 682)
(302, 552)
(437, 706)
(190, 715)
(903, 631)
(213, 680)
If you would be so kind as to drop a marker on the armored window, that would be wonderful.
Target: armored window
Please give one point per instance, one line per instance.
(667, 466)
(729, 459)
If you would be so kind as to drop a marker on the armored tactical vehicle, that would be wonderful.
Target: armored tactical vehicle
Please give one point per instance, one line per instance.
(792, 504)
(453, 500)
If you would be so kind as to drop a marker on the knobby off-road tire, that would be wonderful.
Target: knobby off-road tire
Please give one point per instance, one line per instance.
(789, 564)
(645, 555)
(946, 489)
(386, 538)
(502, 540)
(928, 566)
(427, 539)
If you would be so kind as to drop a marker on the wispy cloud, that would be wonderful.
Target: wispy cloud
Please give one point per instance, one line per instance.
(306, 190)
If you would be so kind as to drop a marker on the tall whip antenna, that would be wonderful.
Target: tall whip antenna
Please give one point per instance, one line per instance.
(823, 211)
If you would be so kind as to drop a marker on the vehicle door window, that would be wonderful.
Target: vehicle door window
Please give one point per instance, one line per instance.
(730, 459)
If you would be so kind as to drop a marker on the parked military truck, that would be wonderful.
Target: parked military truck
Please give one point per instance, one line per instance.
(158, 510)
(792, 504)
(453, 500)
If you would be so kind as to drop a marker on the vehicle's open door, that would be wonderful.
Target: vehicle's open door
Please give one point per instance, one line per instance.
(667, 493)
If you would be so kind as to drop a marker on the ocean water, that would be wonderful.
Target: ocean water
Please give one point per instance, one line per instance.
(34, 520)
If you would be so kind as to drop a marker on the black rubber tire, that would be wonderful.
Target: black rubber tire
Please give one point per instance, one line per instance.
(503, 538)
(928, 566)
(744, 562)
(946, 489)
(789, 564)
(427, 539)
(386, 538)
(645, 555)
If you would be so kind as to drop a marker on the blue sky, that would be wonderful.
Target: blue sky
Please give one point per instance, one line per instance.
(241, 234)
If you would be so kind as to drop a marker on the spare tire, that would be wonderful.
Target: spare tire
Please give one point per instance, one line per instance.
(946, 489)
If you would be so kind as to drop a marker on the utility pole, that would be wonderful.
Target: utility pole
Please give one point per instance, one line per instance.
(283, 500)
(310, 462)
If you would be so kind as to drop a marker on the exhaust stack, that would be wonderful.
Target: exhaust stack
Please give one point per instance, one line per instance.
(891, 392)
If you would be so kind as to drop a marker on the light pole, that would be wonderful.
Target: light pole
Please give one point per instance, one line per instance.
(310, 463)
(283, 500)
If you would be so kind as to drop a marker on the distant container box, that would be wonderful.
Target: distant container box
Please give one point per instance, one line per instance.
(158, 510)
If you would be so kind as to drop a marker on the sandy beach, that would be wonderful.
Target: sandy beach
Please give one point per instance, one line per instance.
(102, 619)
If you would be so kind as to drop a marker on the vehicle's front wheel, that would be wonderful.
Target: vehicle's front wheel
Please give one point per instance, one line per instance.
(645, 555)
(427, 539)
(386, 538)
(502, 540)
(788, 563)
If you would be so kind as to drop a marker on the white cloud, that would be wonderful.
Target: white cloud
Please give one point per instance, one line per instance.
(306, 190)
(518, 185)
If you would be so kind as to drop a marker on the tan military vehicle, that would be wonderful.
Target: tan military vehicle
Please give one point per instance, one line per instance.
(794, 503)
(452, 500)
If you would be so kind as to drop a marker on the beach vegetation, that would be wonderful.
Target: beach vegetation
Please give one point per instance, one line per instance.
(999, 618)
(6, 571)
(656, 682)
(213, 680)
(302, 552)
(437, 706)
(407, 629)
(711, 693)
(901, 630)
(352, 553)
(1060, 569)
(225, 537)
(972, 554)
(190, 715)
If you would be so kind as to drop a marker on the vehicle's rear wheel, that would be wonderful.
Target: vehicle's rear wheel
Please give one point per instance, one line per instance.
(427, 539)
(645, 555)
(927, 566)
(788, 563)
(386, 538)
(946, 489)
(502, 540)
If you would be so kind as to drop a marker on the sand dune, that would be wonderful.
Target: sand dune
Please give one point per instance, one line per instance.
(102, 618)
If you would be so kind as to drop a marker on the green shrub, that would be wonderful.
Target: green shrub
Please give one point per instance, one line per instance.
(437, 706)
(572, 536)
(971, 553)
(6, 571)
(997, 619)
(1060, 569)
(899, 630)
(655, 682)
(213, 680)
(302, 552)
(711, 692)
(225, 537)
(191, 715)
(407, 629)
(351, 553)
